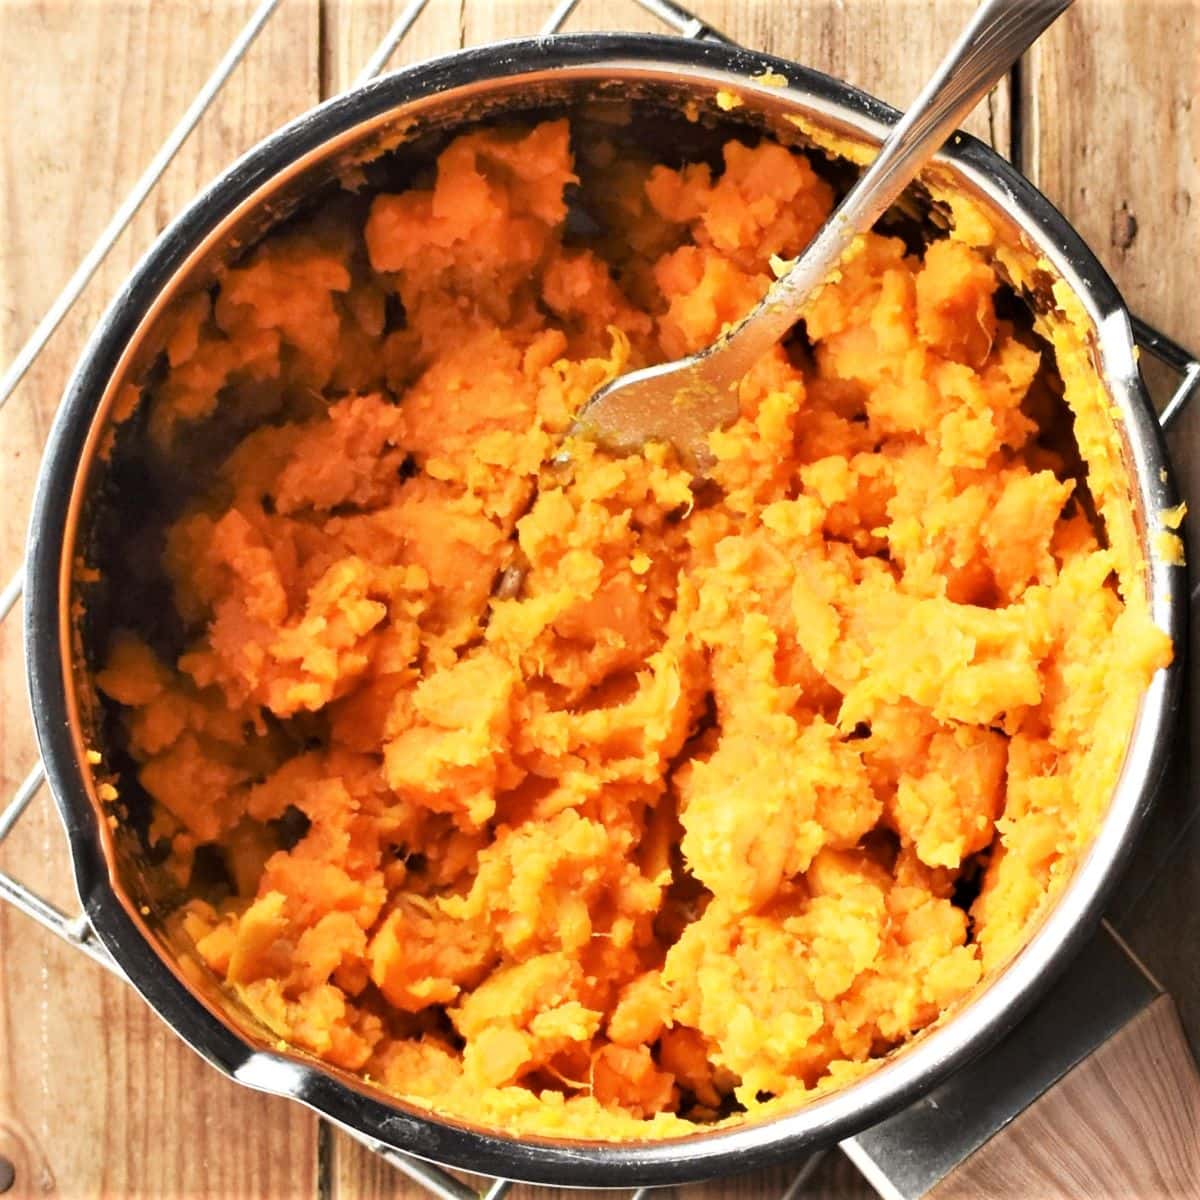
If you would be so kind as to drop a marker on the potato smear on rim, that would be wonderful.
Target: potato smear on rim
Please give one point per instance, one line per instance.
(753, 781)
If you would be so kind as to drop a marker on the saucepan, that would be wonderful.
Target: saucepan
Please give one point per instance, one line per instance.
(406, 117)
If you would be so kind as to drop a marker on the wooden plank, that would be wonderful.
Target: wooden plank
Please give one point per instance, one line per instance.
(1112, 136)
(65, 184)
(819, 33)
(350, 32)
(97, 1097)
(352, 29)
(857, 43)
(866, 50)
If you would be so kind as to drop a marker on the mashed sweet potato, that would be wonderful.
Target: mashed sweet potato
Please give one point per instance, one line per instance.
(753, 781)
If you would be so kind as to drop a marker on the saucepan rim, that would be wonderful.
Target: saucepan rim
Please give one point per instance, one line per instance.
(708, 65)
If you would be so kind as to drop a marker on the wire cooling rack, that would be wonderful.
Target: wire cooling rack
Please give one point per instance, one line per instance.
(1181, 367)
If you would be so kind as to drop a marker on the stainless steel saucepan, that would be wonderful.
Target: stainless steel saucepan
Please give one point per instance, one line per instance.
(408, 116)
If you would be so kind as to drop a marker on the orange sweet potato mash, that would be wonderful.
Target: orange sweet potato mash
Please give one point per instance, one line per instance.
(753, 781)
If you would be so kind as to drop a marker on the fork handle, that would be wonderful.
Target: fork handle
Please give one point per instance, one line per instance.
(999, 32)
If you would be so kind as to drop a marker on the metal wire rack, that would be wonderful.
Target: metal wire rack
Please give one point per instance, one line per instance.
(75, 929)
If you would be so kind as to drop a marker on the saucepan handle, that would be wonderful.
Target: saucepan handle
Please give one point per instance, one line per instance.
(75, 930)
(1124, 1122)
(1095, 1095)
(1183, 365)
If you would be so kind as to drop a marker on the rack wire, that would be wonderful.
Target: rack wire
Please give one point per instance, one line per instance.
(75, 929)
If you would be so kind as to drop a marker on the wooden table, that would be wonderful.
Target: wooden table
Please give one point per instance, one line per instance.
(96, 1096)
